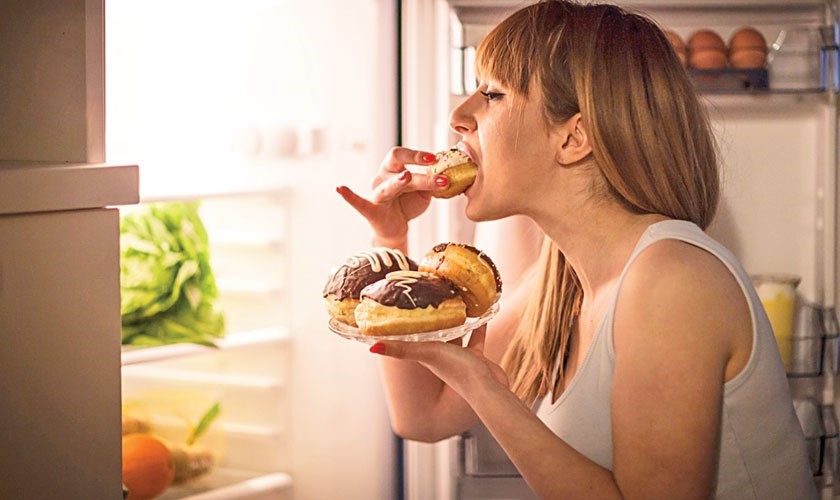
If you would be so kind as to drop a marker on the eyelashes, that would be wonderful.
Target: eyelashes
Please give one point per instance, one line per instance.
(492, 96)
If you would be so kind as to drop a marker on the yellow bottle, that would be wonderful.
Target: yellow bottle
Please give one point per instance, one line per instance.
(778, 296)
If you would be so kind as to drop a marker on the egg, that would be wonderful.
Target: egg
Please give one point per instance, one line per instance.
(747, 38)
(747, 49)
(678, 44)
(705, 40)
(707, 59)
(748, 59)
(706, 50)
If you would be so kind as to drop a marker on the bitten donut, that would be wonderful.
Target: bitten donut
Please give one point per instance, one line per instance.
(344, 287)
(458, 168)
(470, 270)
(409, 302)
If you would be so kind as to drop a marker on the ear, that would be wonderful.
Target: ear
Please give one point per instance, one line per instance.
(572, 143)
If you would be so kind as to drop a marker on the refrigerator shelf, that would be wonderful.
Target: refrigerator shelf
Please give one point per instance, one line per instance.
(136, 355)
(211, 190)
(151, 374)
(229, 484)
(173, 425)
(277, 179)
(813, 347)
(819, 424)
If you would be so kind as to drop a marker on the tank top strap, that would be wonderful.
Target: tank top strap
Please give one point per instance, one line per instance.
(682, 230)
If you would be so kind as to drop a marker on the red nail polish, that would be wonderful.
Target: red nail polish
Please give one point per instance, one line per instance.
(428, 157)
(442, 181)
(378, 348)
(406, 175)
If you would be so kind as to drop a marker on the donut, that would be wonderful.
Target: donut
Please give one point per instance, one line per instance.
(470, 269)
(458, 168)
(344, 286)
(409, 302)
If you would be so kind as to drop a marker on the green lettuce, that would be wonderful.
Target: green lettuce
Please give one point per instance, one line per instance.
(168, 289)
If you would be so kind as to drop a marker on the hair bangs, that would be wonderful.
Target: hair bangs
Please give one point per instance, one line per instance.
(505, 55)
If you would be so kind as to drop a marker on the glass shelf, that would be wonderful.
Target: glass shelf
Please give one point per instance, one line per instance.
(229, 483)
(803, 43)
(814, 343)
(135, 355)
(819, 424)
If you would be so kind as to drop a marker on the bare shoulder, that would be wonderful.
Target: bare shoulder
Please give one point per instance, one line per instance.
(682, 295)
(675, 263)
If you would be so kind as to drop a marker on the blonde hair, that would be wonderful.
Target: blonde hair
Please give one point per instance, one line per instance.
(651, 143)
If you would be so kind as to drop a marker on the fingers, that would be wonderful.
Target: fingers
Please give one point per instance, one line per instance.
(416, 351)
(420, 351)
(363, 206)
(398, 157)
(390, 188)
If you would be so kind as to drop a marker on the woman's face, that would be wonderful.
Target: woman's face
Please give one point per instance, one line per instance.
(506, 136)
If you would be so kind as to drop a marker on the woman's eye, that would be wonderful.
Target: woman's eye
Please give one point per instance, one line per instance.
(492, 96)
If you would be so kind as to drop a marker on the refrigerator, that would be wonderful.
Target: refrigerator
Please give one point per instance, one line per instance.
(778, 139)
(257, 110)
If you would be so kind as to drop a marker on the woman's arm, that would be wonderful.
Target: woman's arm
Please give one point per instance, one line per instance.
(422, 406)
(680, 321)
(681, 318)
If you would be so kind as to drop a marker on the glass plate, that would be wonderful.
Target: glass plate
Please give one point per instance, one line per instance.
(352, 333)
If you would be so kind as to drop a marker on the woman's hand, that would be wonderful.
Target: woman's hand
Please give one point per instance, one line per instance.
(398, 195)
(466, 370)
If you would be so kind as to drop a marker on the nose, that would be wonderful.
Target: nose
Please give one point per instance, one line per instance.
(462, 119)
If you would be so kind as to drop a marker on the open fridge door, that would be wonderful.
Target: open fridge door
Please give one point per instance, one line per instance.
(778, 137)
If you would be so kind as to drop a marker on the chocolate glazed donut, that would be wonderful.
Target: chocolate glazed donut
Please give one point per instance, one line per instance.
(409, 302)
(344, 287)
(470, 269)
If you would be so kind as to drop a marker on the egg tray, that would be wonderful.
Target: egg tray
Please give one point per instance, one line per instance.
(730, 79)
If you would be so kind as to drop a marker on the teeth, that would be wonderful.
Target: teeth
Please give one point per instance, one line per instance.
(462, 148)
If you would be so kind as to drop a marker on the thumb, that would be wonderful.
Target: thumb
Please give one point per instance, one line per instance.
(477, 339)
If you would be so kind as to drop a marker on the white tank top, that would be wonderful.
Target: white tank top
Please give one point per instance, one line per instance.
(762, 448)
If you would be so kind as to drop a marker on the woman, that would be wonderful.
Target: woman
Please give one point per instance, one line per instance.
(635, 360)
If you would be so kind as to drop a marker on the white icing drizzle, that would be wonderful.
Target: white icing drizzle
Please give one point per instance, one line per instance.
(378, 256)
(404, 280)
(483, 260)
(448, 159)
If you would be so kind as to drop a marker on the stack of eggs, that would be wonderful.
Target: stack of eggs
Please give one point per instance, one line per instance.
(747, 49)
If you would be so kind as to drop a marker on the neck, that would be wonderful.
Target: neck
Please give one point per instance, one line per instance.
(599, 249)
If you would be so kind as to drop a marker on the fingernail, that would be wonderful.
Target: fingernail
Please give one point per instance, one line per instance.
(442, 180)
(428, 157)
(378, 348)
(406, 175)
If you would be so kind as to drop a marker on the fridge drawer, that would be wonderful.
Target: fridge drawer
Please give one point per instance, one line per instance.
(483, 470)
(480, 455)
(493, 488)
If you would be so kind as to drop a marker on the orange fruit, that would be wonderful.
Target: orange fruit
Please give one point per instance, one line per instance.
(147, 466)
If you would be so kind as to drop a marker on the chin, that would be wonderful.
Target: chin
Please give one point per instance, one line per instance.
(477, 212)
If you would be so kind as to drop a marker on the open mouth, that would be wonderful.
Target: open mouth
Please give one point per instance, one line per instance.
(467, 151)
